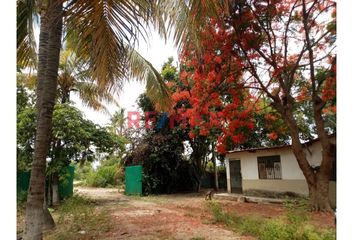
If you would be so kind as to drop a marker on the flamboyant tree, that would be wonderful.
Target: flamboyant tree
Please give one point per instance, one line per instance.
(267, 51)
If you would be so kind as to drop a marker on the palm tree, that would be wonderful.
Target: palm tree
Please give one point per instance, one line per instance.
(117, 122)
(104, 33)
(72, 78)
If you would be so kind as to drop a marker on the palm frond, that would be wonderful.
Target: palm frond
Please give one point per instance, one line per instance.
(156, 89)
(102, 29)
(27, 17)
(92, 97)
(88, 90)
(186, 19)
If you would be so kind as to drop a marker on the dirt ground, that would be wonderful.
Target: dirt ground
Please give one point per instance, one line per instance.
(177, 216)
(163, 217)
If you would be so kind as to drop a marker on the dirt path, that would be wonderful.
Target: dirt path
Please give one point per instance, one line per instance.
(164, 217)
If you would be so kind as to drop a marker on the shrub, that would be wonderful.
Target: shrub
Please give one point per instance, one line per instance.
(104, 176)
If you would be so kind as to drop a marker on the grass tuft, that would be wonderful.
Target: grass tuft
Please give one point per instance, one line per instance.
(295, 226)
(77, 218)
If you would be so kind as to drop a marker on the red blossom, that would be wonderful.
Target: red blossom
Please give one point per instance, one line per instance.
(273, 135)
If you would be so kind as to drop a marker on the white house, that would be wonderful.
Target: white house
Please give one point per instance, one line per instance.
(273, 169)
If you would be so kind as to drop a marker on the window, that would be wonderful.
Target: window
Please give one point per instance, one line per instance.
(269, 167)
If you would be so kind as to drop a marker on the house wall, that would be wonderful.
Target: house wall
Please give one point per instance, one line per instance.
(292, 177)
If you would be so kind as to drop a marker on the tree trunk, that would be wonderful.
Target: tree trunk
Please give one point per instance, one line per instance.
(49, 197)
(216, 178)
(317, 177)
(48, 63)
(55, 189)
(319, 200)
(48, 221)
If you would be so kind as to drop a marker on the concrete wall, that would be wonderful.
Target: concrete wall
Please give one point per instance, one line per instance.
(292, 177)
(297, 186)
(289, 166)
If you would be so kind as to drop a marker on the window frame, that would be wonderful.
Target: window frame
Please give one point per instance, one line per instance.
(268, 162)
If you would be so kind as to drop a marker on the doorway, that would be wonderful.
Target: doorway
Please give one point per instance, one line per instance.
(235, 176)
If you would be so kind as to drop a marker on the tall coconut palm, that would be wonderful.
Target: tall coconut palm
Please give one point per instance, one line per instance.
(104, 33)
(117, 122)
(72, 78)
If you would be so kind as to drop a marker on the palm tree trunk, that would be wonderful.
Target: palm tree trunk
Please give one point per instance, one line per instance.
(48, 63)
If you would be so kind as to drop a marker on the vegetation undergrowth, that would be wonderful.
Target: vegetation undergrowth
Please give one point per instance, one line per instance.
(294, 226)
(77, 218)
(108, 174)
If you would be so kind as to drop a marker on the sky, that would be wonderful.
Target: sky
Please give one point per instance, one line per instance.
(157, 51)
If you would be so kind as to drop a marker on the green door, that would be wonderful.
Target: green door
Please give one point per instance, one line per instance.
(133, 185)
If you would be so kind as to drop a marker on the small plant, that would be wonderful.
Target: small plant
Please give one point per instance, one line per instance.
(104, 176)
(297, 211)
(295, 227)
(77, 214)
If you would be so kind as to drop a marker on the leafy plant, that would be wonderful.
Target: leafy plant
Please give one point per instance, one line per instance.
(78, 214)
(272, 229)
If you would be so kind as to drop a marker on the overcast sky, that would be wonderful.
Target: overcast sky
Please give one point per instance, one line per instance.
(157, 52)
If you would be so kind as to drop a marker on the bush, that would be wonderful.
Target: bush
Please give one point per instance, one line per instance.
(82, 171)
(105, 176)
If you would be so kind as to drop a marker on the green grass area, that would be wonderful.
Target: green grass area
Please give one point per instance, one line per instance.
(77, 218)
(294, 226)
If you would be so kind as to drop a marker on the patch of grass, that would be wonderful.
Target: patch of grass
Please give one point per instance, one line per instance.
(295, 226)
(198, 238)
(150, 198)
(297, 211)
(77, 218)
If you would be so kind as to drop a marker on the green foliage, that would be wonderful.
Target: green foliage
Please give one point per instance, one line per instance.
(297, 210)
(82, 170)
(105, 176)
(25, 137)
(74, 138)
(169, 71)
(78, 214)
(295, 227)
(21, 198)
(108, 174)
(161, 151)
